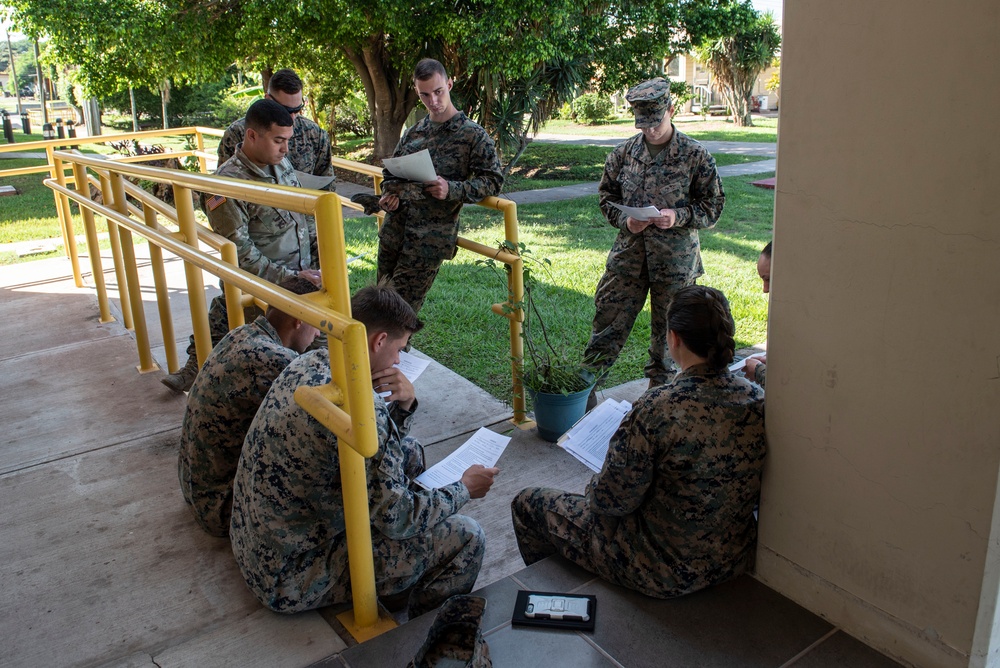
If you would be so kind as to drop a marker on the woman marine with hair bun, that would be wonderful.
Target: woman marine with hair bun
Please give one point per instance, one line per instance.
(671, 512)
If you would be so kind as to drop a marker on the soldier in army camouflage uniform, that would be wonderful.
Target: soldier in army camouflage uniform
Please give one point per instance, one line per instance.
(421, 230)
(271, 243)
(287, 528)
(756, 368)
(664, 168)
(671, 511)
(309, 146)
(223, 401)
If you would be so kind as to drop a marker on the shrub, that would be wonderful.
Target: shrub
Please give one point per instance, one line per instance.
(592, 108)
(565, 112)
(352, 116)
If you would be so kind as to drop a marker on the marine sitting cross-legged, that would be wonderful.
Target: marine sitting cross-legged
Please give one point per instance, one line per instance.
(671, 511)
(287, 529)
(271, 243)
(223, 401)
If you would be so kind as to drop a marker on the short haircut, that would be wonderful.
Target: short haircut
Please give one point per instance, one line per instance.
(296, 285)
(262, 114)
(427, 68)
(700, 316)
(382, 309)
(287, 81)
(767, 250)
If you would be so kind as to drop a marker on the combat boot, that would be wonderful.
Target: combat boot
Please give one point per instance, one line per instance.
(369, 202)
(456, 636)
(183, 378)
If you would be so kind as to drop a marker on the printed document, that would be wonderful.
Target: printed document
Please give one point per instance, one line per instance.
(484, 447)
(639, 213)
(589, 438)
(738, 366)
(312, 181)
(413, 167)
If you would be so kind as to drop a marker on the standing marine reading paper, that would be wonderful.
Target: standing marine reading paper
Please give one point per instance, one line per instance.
(421, 230)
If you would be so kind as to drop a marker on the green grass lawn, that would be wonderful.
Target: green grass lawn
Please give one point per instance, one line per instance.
(463, 333)
(32, 214)
(711, 129)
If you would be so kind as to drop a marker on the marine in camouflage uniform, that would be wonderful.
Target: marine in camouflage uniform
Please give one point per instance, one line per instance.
(680, 176)
(288, 530)
(423, 232)
(221, 405)
(671, 512)
(308, 149)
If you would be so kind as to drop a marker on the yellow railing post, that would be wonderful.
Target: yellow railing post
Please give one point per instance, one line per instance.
(162, 292)
(93, 244)
(107, 192)
(515, 281)
(233, 295)
(200, 143)
(69, 234)
(50, 157)
(146, 363)
(195, 284)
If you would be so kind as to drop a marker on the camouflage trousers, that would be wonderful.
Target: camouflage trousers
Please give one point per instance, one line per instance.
(218, 321)
(553, 522)
(412, 274)
(432, 566)
(617, 302)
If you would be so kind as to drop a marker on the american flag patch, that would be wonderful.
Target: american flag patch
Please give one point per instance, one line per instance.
(214, 202)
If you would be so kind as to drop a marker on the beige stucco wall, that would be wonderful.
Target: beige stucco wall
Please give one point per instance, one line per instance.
(883, 403)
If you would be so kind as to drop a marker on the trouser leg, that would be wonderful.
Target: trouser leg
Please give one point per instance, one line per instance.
(617, 303)
(434, 566)
(550, 521)
(660, 368)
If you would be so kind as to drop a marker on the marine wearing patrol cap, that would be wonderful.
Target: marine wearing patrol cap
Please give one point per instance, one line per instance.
(649, 100)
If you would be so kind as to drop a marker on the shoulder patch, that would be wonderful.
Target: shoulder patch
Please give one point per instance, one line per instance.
(214, 202)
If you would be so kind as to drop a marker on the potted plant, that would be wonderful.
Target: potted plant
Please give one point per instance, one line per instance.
(552, 371)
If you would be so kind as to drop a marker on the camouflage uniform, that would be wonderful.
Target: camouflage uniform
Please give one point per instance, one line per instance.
(308, 149)
(288, 531)
(760, 374)
(221, 405)
(671, 512)
(271, 243)
(422, 233)
(657, 262)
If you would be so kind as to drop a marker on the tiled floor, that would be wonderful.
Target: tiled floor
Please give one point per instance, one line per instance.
(738, 624)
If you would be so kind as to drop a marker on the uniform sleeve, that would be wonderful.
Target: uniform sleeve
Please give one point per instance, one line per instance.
(227, 146)
(706, 197)
(324, 159)
(485, 176)
(397, 511)
(610, 189)
(621, 486)
(387, 177)
(230, 219)
(760, 374)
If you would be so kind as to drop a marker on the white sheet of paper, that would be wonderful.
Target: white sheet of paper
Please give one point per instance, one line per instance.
(411, 366)
(312, 181)
(737, 366)
(484, 447)
(639, 213)
(589, 439)
(413, 167)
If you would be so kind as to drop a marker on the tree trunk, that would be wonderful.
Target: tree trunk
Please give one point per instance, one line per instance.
(390, 93)
(135, 112)
(165, 101)
(265, 77)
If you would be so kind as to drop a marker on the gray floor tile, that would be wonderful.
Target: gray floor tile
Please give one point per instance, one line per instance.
(740, 623)
(842, 651)
(553, 574)
(518, 647)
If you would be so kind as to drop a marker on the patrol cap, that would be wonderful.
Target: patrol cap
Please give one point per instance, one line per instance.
(649, 100)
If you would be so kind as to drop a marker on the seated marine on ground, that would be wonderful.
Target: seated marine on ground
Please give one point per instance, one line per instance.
(223, 401)
(270, 243)
(671, 511)
(287, 530)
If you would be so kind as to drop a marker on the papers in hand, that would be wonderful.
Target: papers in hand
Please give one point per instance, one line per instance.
(738, 366)
(413, 167)
(312, 181)
(589, 438)
(411, 366)
(639, 213)
(484, 447)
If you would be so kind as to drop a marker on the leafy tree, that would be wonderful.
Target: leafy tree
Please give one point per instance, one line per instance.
(737, 58)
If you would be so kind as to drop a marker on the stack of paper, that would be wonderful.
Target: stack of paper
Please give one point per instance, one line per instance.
(411, 366)
(484, 447)
(589, 438)
(413, 167)
(738, 366)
